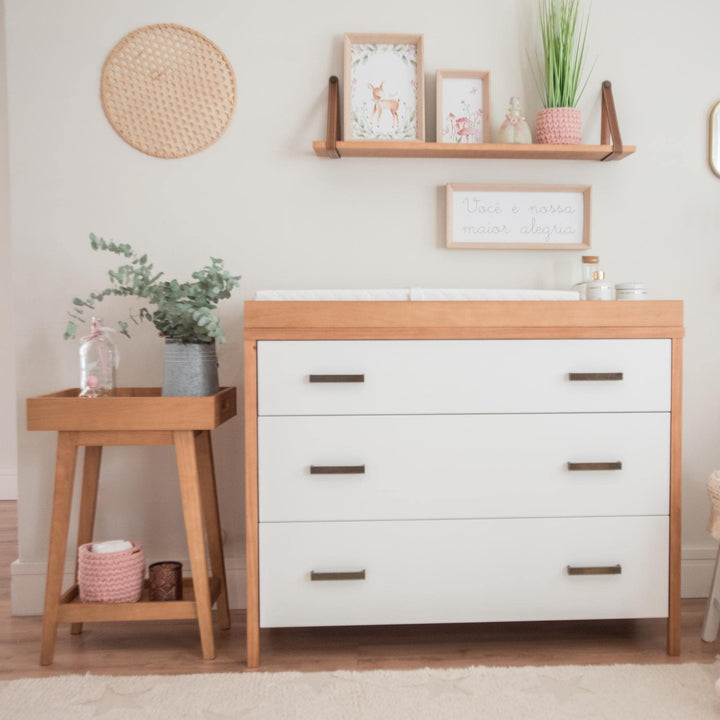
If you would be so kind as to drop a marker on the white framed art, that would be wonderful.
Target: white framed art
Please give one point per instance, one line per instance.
(463, 106)
(384, 94)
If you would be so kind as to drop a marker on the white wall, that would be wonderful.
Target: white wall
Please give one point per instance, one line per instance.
(283, 218)
(8, 434)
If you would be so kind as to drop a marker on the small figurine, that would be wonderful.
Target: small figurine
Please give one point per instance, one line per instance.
(514, 128)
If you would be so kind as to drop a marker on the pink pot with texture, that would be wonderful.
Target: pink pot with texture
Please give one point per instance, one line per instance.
(559, 126)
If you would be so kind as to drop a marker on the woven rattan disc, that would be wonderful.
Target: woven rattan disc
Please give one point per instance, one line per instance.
(168, 91)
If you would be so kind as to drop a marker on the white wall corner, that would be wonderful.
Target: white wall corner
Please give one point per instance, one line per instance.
(28, 584)
(8, 483)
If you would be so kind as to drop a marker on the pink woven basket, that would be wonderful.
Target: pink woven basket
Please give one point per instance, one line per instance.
(115, 577)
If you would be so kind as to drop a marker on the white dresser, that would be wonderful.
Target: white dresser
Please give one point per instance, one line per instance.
(461, 462)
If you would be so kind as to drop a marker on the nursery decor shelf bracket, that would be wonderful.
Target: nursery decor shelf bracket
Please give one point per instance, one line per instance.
(335, 148)
(609, 127)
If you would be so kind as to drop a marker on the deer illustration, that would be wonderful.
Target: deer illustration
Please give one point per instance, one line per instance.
(382, 104)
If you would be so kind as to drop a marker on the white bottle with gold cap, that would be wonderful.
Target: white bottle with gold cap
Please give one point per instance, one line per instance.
(599, 288)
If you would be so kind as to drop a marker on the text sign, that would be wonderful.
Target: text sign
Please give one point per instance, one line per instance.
(521, 217)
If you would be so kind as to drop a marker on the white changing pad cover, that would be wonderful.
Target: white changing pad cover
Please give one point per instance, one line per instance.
(302, 295)
(418, 294)
(480, 294)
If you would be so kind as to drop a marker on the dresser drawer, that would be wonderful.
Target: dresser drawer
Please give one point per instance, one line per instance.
(453, 466)
(462, 571)
(462, 376)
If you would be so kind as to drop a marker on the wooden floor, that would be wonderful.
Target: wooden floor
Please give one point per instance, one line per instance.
(174, 647)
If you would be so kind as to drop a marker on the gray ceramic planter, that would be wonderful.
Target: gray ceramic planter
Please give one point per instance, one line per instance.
(191, 369)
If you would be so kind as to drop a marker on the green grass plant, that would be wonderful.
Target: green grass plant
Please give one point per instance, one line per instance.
(560, 74)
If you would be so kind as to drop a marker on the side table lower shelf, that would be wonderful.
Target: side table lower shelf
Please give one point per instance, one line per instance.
(73, 611)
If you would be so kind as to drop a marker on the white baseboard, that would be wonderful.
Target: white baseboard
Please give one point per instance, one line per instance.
(28, 584)
(8, 483)
(28, 579)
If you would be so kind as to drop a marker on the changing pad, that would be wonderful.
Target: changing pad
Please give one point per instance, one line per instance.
(303, 295)
(418, 294)
(474, 294)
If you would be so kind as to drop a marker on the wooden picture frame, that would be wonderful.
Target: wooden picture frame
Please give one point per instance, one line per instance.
(384, 87)
(463, 106)
(518, 217)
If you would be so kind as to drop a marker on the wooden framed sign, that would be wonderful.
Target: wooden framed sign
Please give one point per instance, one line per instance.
(518, 217)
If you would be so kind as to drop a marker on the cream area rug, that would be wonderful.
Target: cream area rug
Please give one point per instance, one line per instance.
(615, 692)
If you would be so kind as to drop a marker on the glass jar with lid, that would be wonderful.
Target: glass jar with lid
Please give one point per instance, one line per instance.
(590, 265)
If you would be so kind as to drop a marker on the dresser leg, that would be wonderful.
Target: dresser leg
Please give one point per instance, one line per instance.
(206, 467)
(184, 441)
(62, 500)
(88, 504)
(252, 617)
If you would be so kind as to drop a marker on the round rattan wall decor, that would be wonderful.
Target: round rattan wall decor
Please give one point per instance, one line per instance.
(168, 91)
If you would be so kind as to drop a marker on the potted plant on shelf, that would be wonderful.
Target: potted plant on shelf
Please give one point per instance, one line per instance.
(560, 74)
(182, 312)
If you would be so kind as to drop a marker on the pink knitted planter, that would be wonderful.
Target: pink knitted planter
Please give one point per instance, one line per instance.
(559, 126)
(115, 577)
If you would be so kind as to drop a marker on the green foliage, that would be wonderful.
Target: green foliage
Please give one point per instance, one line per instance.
(560, 74)
(180, 311)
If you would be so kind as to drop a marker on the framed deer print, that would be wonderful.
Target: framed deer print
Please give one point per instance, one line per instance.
(463, 106)
(384, 87)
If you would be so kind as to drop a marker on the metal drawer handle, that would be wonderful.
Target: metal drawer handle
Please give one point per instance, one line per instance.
(337, 378)
(594, 570)
(575, 466)
(337, 469)
(347, 575)
(576, 377)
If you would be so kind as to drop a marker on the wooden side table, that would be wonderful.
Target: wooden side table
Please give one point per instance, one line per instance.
(135, 416)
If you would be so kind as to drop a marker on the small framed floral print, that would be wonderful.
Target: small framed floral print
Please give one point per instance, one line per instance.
(384, 87)
(463, 106)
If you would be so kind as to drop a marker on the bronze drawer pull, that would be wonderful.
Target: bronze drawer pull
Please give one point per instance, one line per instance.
(337, 378)
(594, 570)
(337, 469)
(575, 377)
(347, 575)
(575, 466)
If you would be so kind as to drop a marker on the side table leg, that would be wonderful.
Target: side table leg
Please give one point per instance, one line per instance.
(208, 489)
(184, 441)
(88, 504)
(62, 500)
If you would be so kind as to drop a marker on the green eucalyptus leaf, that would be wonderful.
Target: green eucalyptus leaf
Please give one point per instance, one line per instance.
(183, 310)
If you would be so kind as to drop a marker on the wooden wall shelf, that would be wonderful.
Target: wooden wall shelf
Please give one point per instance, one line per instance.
(490, 151)
(610, 148)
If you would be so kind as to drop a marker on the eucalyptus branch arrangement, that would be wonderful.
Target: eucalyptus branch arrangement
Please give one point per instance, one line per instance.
(560, 75)
(180, 311)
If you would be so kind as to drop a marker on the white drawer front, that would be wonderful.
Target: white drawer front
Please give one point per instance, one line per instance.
(462, 376)
(454, 466)
(462, 571)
